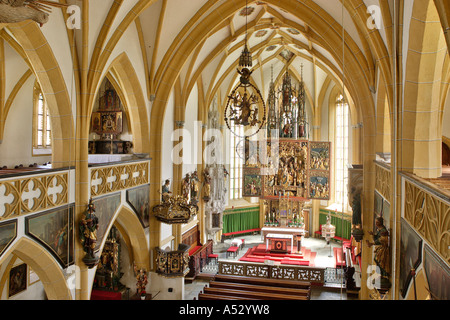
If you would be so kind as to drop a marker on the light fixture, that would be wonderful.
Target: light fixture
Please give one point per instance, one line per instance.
(243, 115)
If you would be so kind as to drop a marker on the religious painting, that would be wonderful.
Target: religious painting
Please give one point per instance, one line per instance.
(410, 255)
(8, 233)
(110, 100)
(17, 279)
(285, 168)
(378, 204)
(319, 185)
(105, 209)
(54, 230)
(96, 121)
(252, 183)
(139, 198)
(437, 274)
(107, 122)
(320, 155)
(251, 154)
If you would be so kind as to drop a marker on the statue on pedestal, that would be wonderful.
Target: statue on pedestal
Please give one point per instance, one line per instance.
(88, 235)
(382, 256)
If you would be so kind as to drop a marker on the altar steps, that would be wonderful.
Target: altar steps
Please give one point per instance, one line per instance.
(259, 254)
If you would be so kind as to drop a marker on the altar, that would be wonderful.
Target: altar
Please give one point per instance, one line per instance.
(295, 233)
(278, 243)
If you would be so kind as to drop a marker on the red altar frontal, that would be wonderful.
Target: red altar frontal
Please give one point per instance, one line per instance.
(279, 243)
(291, 237)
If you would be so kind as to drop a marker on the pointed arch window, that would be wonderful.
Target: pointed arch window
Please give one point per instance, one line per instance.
(42, 132)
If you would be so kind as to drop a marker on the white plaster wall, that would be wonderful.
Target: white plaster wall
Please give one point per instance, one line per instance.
(160, 287)
(16, 147)
(192, 143)
(166, 161)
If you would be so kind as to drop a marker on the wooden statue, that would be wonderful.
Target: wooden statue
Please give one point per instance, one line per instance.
(12, 11)
(382, 256)
(88, 235)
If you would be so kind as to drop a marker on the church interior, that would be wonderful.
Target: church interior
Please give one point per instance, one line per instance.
(224, 150)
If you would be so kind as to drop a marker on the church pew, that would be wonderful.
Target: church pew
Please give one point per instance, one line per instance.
(250, 294)
(264, 281)
(260, 288)
(208, 296)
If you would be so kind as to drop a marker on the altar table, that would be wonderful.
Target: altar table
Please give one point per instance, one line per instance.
(297, 233)
(278, 242)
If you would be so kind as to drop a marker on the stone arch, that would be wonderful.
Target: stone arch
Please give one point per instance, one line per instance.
(125, 75)
(134, 236)
(46, 68)
(324, 31)
(45, 266)
(422, 129)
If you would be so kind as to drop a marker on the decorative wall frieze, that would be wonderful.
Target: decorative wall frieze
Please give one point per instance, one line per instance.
(110, 179)
(383, 181)
(33, 193)
(429, 215)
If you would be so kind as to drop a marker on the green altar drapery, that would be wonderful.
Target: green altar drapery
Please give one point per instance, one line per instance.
(240, 219)
(342, 222)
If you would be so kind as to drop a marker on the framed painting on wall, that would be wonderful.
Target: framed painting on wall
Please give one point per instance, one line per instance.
(8, 233)
(138, 198)
(17, 280)
(319, 156)
(105, 209)
(252, 184)
(410, 255)
(319, 185)
(437, 274)
(107, 122)
(54, 230)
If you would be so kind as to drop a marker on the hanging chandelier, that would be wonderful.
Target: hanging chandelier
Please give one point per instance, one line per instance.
(245, 112)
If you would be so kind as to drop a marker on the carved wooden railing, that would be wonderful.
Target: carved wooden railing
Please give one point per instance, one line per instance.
(33, 192)
(112, 178)
(282, 272)
(427, 209)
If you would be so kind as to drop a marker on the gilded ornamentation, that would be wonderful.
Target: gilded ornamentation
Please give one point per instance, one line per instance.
(175, 209)
(430, 217)
(88, 235)
(111, 179)
(32, 193)
(173, 263)
(383, 181)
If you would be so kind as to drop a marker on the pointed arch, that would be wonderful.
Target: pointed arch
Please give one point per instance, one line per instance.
(125, 75)
(43, 264)
(48, 73)
(422, 128)
(134, 236)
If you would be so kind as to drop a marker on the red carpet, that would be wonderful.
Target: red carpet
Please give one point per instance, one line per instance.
(259, 254)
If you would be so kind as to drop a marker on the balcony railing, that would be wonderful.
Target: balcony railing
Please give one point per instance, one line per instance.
(281, 272)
